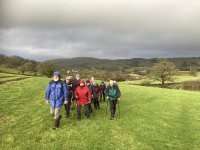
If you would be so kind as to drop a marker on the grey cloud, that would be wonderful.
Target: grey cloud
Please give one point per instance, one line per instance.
(104, 29)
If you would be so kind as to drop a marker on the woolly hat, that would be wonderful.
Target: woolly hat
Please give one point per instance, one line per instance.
(87, 81)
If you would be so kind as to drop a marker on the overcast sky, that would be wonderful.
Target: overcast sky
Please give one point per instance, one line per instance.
(47, 29)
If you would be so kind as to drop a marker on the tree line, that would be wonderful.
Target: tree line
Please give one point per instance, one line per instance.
(163, 69)
(26, 65)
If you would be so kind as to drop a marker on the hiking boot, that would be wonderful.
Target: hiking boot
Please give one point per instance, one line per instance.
(111, 118)
(56, 123)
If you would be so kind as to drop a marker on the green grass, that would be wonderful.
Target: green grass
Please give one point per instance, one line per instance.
(187, 77)
(6, 77)
(15, 71)
(181, 77)
(151, 118)
(9, 70)
(9, 75)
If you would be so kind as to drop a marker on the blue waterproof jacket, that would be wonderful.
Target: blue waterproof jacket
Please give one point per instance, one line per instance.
(56, 92)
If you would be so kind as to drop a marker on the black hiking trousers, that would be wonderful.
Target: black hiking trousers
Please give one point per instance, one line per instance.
(86, 110)
(103, 95)
(67, 108)
(90, 107)
(113, 104)
(96, 103)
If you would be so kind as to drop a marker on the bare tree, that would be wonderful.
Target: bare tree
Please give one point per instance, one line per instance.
(163, 71)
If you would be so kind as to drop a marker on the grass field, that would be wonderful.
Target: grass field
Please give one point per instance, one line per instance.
(181, 77)
(14, 71)
(6, 77)
(151, 118)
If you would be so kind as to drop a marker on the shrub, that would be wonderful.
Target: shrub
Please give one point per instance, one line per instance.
(191, 85)
(146, 82)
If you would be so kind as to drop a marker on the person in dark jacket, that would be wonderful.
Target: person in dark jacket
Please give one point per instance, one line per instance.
(83, 97)
(96, 94)
(88, 84)
(102, 91)
(75, 84)
(113, 94)
(57, 93)
(69, 85)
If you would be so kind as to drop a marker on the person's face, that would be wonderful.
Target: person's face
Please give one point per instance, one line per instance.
(82, 84)
(77, 77)
(88, 84)
(67, 80)
(55, 77)
(111, 83)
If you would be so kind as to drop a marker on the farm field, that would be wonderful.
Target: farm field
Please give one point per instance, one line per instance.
(150, 118)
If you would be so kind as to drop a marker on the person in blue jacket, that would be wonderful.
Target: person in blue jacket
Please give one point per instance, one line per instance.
(57, 94)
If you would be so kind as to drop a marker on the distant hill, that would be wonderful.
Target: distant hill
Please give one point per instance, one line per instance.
(88, 62)
(103, 64)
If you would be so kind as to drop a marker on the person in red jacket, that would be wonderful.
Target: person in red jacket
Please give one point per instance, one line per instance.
(83, 97)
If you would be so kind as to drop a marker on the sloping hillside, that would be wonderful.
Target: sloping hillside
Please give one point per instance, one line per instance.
(150, 118)
(87, 62)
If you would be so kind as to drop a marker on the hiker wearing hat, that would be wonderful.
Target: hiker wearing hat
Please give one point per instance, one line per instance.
(88, 84)
(69, 85)
(83, 97)
(102, 91)
(56, 93)
(113, 95)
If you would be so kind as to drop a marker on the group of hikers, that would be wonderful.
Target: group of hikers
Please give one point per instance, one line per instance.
(77, 92)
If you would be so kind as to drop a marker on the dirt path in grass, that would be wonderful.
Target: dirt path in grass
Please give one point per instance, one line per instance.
(17, 79)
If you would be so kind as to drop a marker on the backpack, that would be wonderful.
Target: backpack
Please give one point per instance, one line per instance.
(60, 82)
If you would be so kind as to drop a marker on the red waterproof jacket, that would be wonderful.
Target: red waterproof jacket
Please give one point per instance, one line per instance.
(83, 95)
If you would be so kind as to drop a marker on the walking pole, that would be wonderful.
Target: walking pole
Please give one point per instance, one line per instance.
(106, 106)
(93, 111)
(118, 109)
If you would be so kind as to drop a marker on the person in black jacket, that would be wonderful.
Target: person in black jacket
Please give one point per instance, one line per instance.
(102, 91)
(75, 83)
(69, 85)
